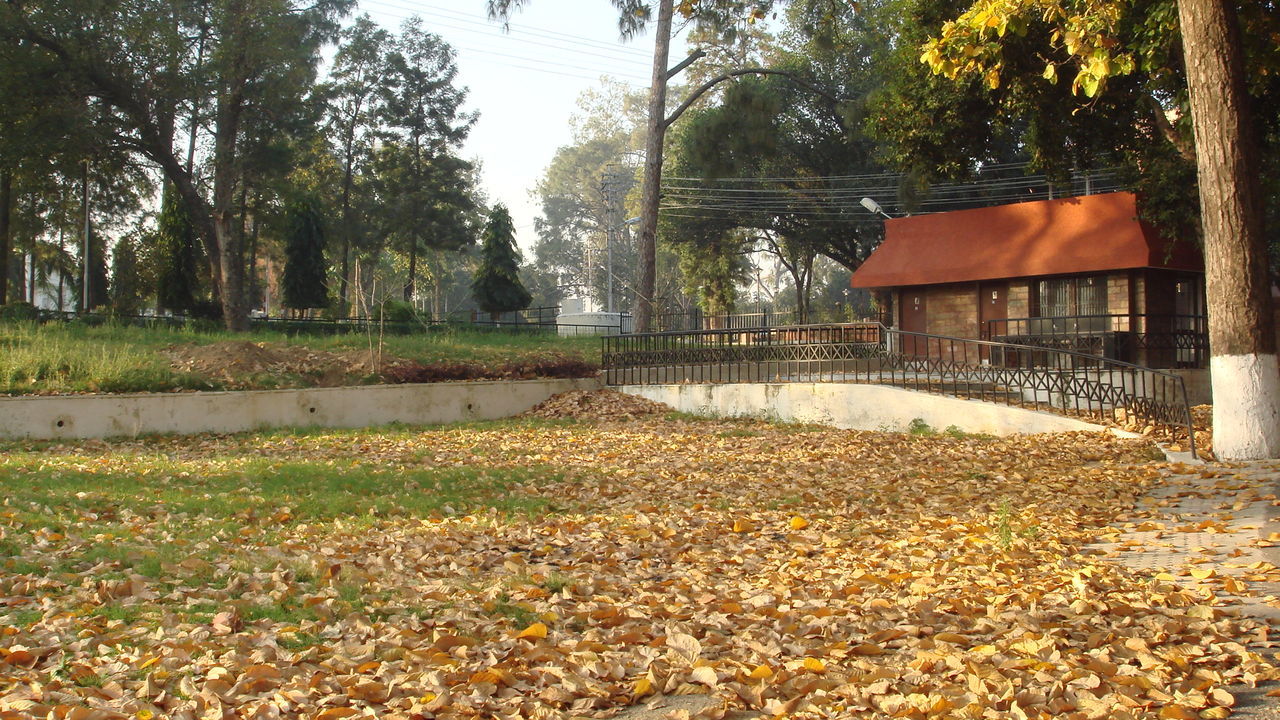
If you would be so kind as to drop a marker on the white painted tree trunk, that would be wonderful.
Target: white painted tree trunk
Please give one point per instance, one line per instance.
(1246, 406)
(1242, 363)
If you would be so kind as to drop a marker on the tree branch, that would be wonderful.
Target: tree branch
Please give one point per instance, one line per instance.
(1185, 149)
(702, 89)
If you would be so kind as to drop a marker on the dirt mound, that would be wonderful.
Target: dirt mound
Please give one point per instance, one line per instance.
(237, 362)
(597, 405)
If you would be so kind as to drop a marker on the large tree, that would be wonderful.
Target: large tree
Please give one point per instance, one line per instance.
(355, 90)
(424, 125)
(1104, 42)
(141, 62)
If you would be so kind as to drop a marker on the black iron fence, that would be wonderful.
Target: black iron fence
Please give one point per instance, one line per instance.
(695, 319)
(1065, 381)
(1159, 341)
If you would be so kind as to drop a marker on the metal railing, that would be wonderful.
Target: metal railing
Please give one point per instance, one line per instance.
(1064, 381)
(1161, 341)
(698, 320)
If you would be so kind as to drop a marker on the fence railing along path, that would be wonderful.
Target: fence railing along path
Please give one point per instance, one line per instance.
(1069, 382)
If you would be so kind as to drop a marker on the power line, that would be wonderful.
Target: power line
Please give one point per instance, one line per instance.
(457, 16)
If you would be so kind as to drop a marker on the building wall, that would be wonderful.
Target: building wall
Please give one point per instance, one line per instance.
(1020, 298)
(953, 310)
(1119, 293)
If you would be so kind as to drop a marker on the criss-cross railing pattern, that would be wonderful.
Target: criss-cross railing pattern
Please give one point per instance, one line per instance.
(1064, 381)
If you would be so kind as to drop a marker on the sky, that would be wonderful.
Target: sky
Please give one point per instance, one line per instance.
(525, 82)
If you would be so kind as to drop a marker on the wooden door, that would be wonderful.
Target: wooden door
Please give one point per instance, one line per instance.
(914, 319)
(993, 304)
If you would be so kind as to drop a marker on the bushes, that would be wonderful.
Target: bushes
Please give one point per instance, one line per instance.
(20, 311)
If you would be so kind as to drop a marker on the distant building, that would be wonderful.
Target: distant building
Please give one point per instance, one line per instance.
(1080, 273)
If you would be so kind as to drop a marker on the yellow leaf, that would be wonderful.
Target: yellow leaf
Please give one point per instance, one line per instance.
(1178, 712)
(642, 687)
(1202, 573)
(536, 631)
(762, 672)
(814, 665)
(741, 526)
(799, 523)
(144, 715)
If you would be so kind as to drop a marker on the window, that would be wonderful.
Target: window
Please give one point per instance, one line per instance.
(1073, 296)
(1069, 298)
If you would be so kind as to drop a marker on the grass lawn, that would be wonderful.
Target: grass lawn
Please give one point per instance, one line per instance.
(70, 358)
(559, 568)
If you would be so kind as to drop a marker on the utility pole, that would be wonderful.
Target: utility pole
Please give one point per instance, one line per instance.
(84, 258)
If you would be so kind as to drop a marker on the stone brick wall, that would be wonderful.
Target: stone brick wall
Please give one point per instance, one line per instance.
(953, 310)
(1118, 293)
(1020, 298)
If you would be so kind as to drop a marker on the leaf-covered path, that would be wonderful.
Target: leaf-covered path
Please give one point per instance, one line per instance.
(562, 568)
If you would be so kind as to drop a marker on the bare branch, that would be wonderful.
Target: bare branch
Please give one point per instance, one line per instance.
(702, 89)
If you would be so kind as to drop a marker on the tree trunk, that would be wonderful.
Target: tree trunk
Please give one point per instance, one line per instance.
(230, 107)
(654, 136)
(6, 234)
(413, 269)
(1243, 368)
(348, 172)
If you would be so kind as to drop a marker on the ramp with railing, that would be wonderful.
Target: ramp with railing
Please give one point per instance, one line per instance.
(1034, 377)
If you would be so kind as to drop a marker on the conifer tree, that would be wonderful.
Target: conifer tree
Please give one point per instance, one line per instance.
(176, 281)
(496, 286)
(304, 268)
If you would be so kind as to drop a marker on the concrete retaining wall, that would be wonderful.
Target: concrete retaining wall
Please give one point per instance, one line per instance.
(99, 416)
(856, 407)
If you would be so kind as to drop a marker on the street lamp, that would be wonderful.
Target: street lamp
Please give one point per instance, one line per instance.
(873, 207)
(608, 242)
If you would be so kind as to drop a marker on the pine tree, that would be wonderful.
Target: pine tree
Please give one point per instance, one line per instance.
(496, 286)
(304, 269)
(176, 281)
(126, 286)
(99, 286)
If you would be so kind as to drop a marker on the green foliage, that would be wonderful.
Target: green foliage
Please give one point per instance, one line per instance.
(920, 428)
(397, 311)
(176, 278)
(712, 270)
(99, 284)
(496, 285)
(304, 267)
(126, 282)
(19, 311)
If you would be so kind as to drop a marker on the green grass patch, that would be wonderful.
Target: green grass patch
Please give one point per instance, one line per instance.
(75, 357)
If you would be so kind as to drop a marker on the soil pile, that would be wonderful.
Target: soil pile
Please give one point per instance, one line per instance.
(240, 363)
(597, 405)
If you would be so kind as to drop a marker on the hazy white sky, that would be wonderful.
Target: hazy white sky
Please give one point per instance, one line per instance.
(525, 82)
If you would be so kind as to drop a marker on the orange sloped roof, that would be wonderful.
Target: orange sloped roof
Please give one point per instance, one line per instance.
(1090, 233)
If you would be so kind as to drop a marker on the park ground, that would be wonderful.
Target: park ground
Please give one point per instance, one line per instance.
(596, 555)
(58, 359)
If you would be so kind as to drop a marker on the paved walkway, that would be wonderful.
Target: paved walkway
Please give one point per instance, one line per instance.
(1217, 526)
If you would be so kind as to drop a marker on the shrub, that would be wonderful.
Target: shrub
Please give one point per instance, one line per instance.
(19, 310)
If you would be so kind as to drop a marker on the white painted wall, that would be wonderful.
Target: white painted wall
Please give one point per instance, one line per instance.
(99, 416)
(856, 407)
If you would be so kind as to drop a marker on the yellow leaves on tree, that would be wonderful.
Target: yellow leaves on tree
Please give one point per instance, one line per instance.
(1084, 33)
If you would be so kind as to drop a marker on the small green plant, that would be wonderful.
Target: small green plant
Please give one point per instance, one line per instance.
(555, 582)
(298, 641)
(920, 428)
(1004, 524)
(519, 615)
